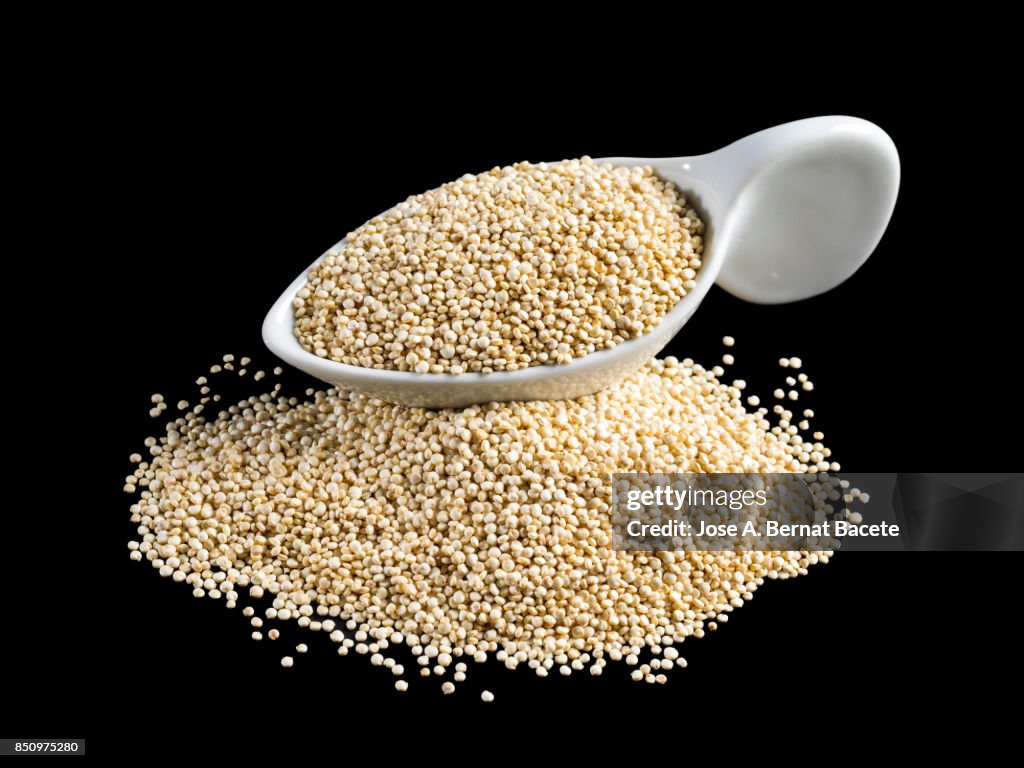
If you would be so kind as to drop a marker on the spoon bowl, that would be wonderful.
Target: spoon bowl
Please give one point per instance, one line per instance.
(789, 212)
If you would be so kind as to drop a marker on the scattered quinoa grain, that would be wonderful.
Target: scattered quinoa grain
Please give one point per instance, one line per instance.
(362, 474)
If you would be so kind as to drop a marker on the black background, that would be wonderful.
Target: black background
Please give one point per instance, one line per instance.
(230, 190)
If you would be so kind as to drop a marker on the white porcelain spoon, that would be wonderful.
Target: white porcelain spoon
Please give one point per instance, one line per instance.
(789, 212)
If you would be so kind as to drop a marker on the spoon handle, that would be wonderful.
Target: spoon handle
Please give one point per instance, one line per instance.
(800, 206)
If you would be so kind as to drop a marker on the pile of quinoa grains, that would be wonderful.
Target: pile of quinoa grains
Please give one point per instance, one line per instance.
(519, 266)
(430, 540)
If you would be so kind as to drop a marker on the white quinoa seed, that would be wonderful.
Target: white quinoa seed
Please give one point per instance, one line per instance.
(487, 696)
(518, 266)
(436, 480)
(287, 661)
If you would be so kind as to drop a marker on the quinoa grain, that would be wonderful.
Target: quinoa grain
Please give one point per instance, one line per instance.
(301, 501)
(519, 266)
